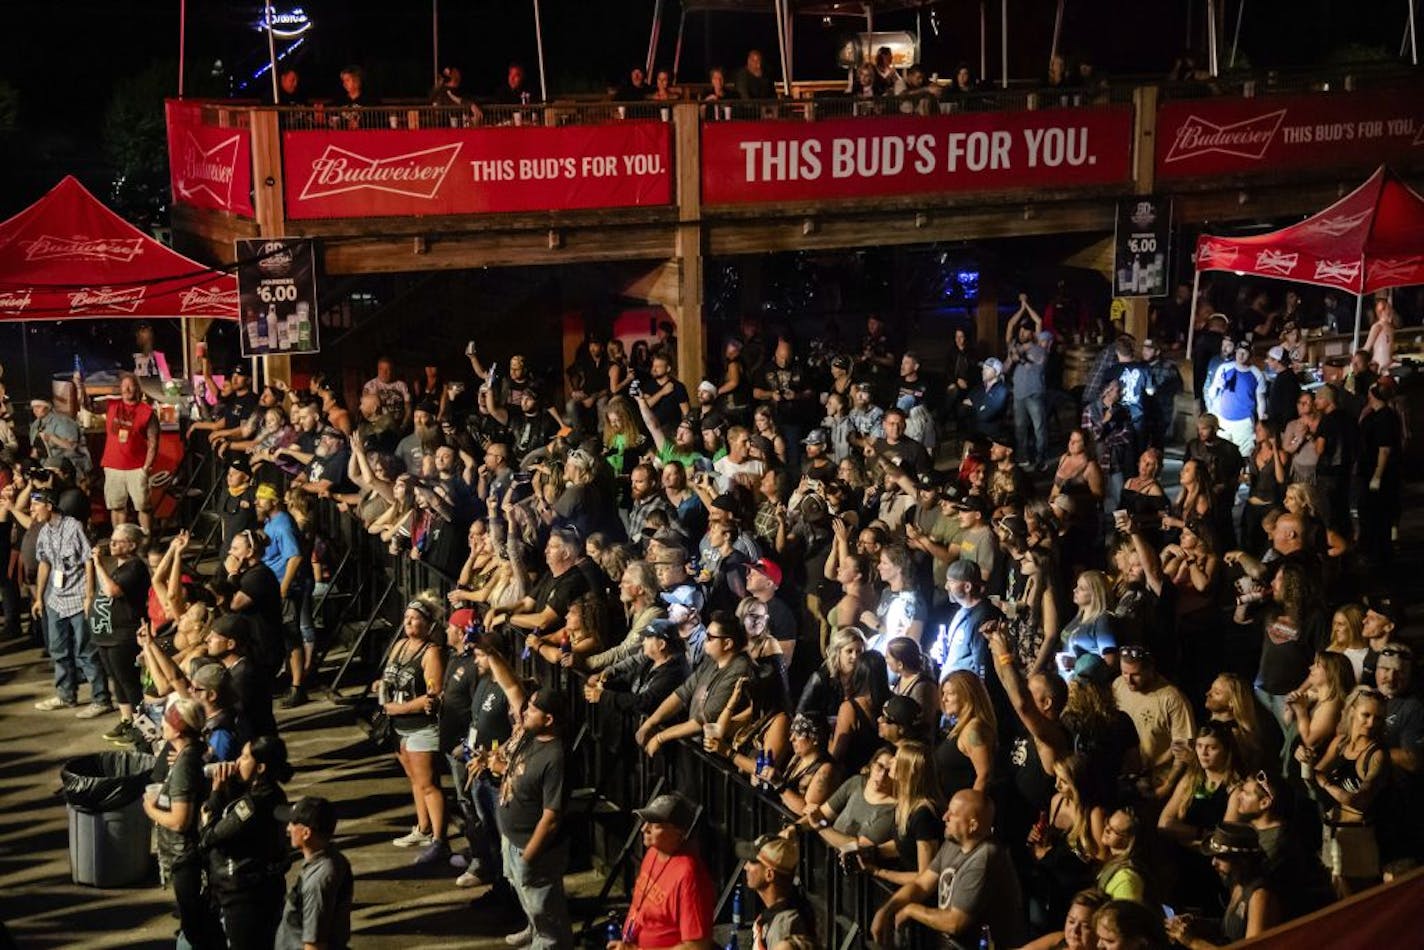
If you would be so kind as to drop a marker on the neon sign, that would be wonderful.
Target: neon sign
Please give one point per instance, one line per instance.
(286, 24)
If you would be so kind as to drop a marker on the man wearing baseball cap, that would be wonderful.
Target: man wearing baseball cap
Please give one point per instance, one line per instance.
(56, 435)
(770, 867)
(684, 608)
(63, 553)
(317, 912)
(673, 896)
(763, 581)
(1282, 388)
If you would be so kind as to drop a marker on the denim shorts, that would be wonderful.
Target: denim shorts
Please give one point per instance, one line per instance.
(423, 739)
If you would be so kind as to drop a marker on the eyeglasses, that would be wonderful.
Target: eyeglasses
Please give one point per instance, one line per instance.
(718, 636)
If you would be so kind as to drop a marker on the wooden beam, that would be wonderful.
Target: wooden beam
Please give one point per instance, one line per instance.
(688, 248)
(660, 284)
(271, 207)
(1144, 177)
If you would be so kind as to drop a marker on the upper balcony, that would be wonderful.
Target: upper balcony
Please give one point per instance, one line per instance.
(607, 181)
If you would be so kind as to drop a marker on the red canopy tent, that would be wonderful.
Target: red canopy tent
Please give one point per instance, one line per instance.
(68, 257)
(1371, 239)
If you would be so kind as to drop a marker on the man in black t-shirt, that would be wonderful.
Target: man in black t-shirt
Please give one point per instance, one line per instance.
(230, 641)
(543, 610)
(327, 472)
(237, 506)
(493, 692)
(667, 398)
(532, 802)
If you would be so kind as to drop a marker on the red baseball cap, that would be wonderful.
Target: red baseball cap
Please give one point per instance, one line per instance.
(769, 568)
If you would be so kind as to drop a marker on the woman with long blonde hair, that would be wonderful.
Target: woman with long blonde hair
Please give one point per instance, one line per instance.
(1347, 636)
(1064, 842)
(1093, 629)
(1314, 709)
(1231, 700)
(965, 759)
(918, 829)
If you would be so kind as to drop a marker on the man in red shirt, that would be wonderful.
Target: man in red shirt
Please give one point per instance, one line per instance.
(672, 899)
(130, 446)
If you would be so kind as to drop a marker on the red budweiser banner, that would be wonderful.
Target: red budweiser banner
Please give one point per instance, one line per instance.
(745, 162)
(1276, 133)
(471, 171)
(209, 167)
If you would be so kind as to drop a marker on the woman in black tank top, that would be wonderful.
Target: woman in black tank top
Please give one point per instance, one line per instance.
(409, 689)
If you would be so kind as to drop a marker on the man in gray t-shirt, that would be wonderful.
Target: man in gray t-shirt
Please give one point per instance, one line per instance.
(1026, 362)
(971, 882)
(318, 906)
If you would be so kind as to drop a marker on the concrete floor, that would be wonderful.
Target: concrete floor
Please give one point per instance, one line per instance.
(395, 905)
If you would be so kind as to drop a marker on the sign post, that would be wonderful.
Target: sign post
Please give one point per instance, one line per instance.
(276, 286)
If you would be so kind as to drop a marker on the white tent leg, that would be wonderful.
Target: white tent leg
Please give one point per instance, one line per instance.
(781, 43)
(1236, 37)
(1057, 32)
(539, 46)
(653, 39)
(1413, 36)
(677, 50)
(182, 42)
(789, 18)
(435, 39)
(1359, 311)
(1192, 307)
(272, 54)
(1004, 44)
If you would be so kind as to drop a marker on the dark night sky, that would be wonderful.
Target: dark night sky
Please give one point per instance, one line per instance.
(64, 57)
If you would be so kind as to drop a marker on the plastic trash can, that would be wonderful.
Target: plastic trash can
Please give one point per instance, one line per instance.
(108, 831)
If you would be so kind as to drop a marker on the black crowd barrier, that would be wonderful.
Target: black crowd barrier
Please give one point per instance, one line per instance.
(610, 775)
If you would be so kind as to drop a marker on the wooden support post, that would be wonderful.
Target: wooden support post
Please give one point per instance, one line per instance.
(1144, 179)
(687, 246)
(269, 205)
(986, 319)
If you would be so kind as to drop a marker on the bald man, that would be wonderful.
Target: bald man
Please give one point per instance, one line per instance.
(971, 880)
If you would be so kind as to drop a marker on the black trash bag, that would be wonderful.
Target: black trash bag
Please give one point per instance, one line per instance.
(106, 781)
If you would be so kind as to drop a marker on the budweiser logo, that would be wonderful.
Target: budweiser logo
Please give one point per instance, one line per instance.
(1275, 262)
(125, 299)
(1248, 138)
(1386, 268)
(49, 248)
(1217, 255)
(207, 171)
(1337, 272)
(414, 174)
(1336, 226)
(208, 300)
(1418, 133)
(14, 301)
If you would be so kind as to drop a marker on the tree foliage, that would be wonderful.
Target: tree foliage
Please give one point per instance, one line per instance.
(135, 144)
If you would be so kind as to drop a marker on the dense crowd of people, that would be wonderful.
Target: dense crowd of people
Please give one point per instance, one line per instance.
(1044, 699)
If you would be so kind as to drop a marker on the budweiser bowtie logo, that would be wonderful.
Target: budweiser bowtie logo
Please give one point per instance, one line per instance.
(1338, 272)
(1336, 226)
(14, 301)
(1276, 262)
(208, 300)
(207, 171)
(1387, 268)
(1248, 138)
(414, 174)
(49, 248)
(1217, 255)
(125, 299)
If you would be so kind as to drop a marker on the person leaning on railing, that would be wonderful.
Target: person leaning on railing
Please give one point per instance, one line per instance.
(707, 692)
(753, 730)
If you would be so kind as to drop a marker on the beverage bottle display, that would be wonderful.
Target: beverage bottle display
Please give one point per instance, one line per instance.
(304, 327)
(254, 331)
(264, 324)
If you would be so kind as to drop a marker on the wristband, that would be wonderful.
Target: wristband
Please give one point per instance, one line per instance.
(1004, 659)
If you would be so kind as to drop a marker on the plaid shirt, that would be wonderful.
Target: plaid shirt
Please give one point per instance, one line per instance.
(62, 545)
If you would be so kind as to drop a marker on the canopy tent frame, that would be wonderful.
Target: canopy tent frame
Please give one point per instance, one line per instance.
(1370, 240)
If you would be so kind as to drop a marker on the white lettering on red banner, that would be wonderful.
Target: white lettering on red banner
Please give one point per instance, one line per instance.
(1337, 272)
(207, 171)
(1231, 136)
(1334, 227)
(1248, 138)
(15, 301)
(1395, 268)
(890, 155)
(371, 173)
(414, 174)
(125, 300)
(1214, 255)
(208, 300)
(80, 248)
(1276, 262)
(209, 166)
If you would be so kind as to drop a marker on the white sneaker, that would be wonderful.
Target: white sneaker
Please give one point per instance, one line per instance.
(467, 879)
(94, 711)
(522, 939)
(53, 703)
(415, 839)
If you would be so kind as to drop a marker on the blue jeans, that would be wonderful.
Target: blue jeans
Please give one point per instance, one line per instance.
(540, 888)
(73, 652)
(1030, 427)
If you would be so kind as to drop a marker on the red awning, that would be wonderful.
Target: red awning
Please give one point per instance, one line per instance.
(68, 257)
(1371, 239)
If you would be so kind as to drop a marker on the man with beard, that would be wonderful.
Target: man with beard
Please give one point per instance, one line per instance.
(896, 448)
(378, 430)
(130, 448)
(236, 403)
(783, 384)
(963, 644)
(667, 397)
(285, 557)
(494, 474)
(588, 385)
(972, 879)
(684, 446)
(532, 427)
(867, 420)
(458, 484)
(326, 475)
(543, 609)
(1027, 361)
(423, 441)
(647, 496)
(1400, 834)
(1001, 459)
(292, 458)
(1164, 382)
(816, 462)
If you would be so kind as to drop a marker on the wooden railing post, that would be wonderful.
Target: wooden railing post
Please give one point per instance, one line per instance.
(687, 246)
(267, 185)
(1144, 180)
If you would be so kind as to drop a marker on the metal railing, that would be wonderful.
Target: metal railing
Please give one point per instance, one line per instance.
(369, 587)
